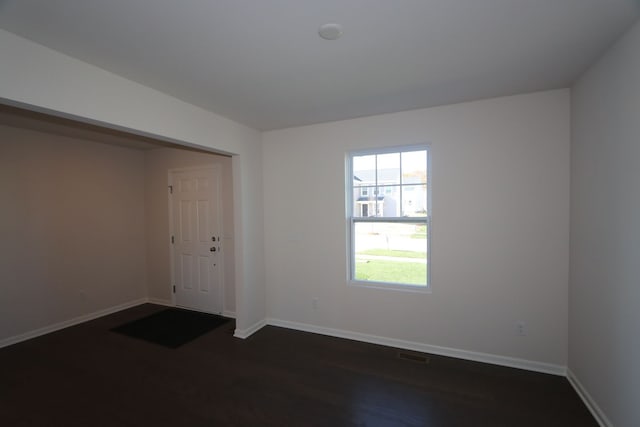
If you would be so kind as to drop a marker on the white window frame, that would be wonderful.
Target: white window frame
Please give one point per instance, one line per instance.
(352, 219)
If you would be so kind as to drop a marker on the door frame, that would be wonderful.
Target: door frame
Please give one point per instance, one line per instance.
(221, 291)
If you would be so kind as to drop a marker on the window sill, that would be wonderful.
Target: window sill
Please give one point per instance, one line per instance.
(390, 286)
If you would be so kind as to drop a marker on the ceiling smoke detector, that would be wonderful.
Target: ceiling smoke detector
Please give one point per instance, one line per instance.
(330, 31)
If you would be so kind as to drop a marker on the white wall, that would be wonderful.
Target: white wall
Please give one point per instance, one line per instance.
(157, 165)
(39, 78)
(604, 302)
(500, 227)
(71, 229)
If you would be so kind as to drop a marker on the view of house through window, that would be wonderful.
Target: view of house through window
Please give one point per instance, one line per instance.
(389, 215)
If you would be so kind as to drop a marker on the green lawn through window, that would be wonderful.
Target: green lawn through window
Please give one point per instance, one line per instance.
(410, 273)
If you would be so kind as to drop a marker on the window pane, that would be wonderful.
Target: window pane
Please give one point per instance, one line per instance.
(414, 167)
(364, 170)
(388, 199)
(388, 169)
(391, 253)
(414, 200)
(364, 201)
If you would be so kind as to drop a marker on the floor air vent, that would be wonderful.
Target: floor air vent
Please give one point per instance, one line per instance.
(412, 357)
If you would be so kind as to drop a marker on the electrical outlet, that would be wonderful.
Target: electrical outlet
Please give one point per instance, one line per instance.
(315, 303)
(521, 328)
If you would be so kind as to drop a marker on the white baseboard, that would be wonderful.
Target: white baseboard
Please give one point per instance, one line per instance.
(246, 333)
(425, 348)
(591, 404)
(159, 301)
(374, 339)
(71, 322)
(229, 314)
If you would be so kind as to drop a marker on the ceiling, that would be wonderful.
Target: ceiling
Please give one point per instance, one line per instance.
(261, 62)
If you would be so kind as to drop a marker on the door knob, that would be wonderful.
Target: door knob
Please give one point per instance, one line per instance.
(213, 249)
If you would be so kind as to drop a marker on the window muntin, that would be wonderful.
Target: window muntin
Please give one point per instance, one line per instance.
(390, 223)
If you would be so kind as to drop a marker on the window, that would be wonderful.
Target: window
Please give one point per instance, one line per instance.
(389, 227)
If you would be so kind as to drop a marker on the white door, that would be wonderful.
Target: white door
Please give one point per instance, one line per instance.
(195, 229)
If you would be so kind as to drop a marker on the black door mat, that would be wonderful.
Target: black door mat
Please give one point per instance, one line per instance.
(172, 327)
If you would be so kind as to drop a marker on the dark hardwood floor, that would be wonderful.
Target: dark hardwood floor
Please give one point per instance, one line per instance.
(89, 376)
